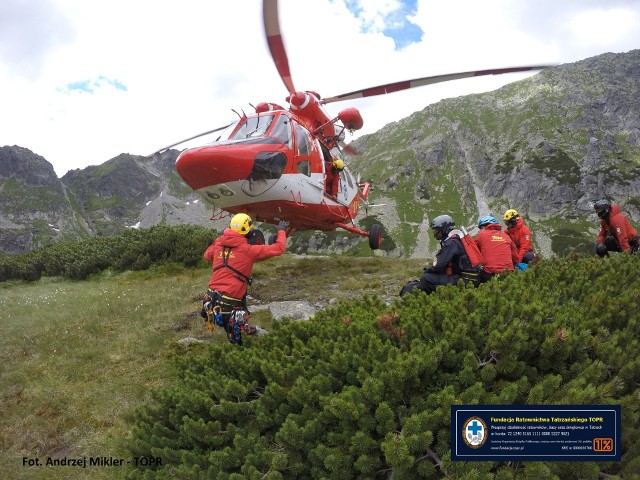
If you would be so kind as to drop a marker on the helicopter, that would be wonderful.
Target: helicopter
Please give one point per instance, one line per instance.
(277, 163)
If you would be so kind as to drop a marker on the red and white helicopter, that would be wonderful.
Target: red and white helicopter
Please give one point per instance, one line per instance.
(274, 164)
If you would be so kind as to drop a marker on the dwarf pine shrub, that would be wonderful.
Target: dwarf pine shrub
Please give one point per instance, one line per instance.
(131, 250)
(364, 390)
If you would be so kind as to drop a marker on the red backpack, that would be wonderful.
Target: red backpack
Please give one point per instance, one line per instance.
(470, 246)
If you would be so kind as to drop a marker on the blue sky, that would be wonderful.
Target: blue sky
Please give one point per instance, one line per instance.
(396, 21)
(92, 85)
(84, 81)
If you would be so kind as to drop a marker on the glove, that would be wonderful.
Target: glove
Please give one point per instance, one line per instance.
(601, 250)
(521, 266)
(282, 225)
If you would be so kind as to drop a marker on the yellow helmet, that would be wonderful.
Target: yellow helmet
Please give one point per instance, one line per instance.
(338, 164)
(510, 215)
(241, 223)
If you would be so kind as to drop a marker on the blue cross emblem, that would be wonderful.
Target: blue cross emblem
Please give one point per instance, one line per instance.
(475, 427)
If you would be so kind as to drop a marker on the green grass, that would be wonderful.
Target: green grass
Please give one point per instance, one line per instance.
(79, 358)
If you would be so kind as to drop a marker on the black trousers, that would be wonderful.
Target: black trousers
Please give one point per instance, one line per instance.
(429, 281)
(611, 245)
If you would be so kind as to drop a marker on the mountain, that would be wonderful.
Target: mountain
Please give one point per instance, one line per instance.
(547, 146)
(37, 208)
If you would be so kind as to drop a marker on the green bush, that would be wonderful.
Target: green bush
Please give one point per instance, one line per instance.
(364, 390)
(131, 250)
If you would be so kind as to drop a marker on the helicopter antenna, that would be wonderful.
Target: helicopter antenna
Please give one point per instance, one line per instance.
(190, 138)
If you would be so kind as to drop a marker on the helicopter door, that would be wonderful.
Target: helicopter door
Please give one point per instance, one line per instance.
(348, 188)
(306, 158)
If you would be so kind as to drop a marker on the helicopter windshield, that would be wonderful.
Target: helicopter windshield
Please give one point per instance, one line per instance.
(282, 130)
(255, 126)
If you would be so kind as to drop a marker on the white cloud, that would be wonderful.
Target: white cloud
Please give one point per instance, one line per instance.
(604, 28)
(186, 64)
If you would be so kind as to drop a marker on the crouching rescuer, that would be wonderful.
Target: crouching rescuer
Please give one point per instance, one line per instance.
(458, 259)
(232, 258)
(616, 233)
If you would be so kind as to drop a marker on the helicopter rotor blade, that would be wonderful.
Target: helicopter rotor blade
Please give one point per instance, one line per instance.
(276, 42)
(348, 149)
(191, 138)
(419, 82)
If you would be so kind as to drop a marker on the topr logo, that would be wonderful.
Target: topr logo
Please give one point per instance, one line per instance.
(474, 432)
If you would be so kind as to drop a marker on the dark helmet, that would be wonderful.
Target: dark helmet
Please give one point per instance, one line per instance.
(441, 226)
(487, 220)
(602, 208)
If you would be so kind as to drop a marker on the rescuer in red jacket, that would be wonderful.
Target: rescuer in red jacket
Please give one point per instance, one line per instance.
(333, 170)
(233, 257)
(520, 235)
(498, 250)
(616, 233)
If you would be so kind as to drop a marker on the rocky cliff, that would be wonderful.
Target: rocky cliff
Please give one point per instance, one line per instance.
(128, 191)
(547, 146)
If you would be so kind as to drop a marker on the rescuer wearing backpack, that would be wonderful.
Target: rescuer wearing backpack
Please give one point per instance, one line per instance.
(452, 262)
(520, 235)
(498, 250)
(233, 257)
(616, 233)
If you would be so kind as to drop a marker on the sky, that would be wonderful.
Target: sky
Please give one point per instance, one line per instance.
(82, 82)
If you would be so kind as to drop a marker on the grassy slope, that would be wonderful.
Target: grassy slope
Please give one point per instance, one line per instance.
(78, 358)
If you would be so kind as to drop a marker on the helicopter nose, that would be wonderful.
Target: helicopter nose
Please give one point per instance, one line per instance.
(213, 164)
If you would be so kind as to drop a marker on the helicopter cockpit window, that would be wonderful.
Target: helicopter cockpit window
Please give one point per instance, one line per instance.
(282, 130)
(302, 140)
(226, 133)
(254, 126)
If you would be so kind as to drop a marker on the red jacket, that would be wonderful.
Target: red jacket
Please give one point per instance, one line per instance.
(617, 226)
(333, 180)
(241, 257)
(521, 237)
(497, 249)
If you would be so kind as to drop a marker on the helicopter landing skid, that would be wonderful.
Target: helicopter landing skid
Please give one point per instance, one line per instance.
(375, 234)
(352, 229)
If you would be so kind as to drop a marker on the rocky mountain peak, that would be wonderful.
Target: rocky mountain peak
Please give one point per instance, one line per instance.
(26, 167)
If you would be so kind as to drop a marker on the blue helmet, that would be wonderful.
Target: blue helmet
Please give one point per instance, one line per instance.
(487, 220)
